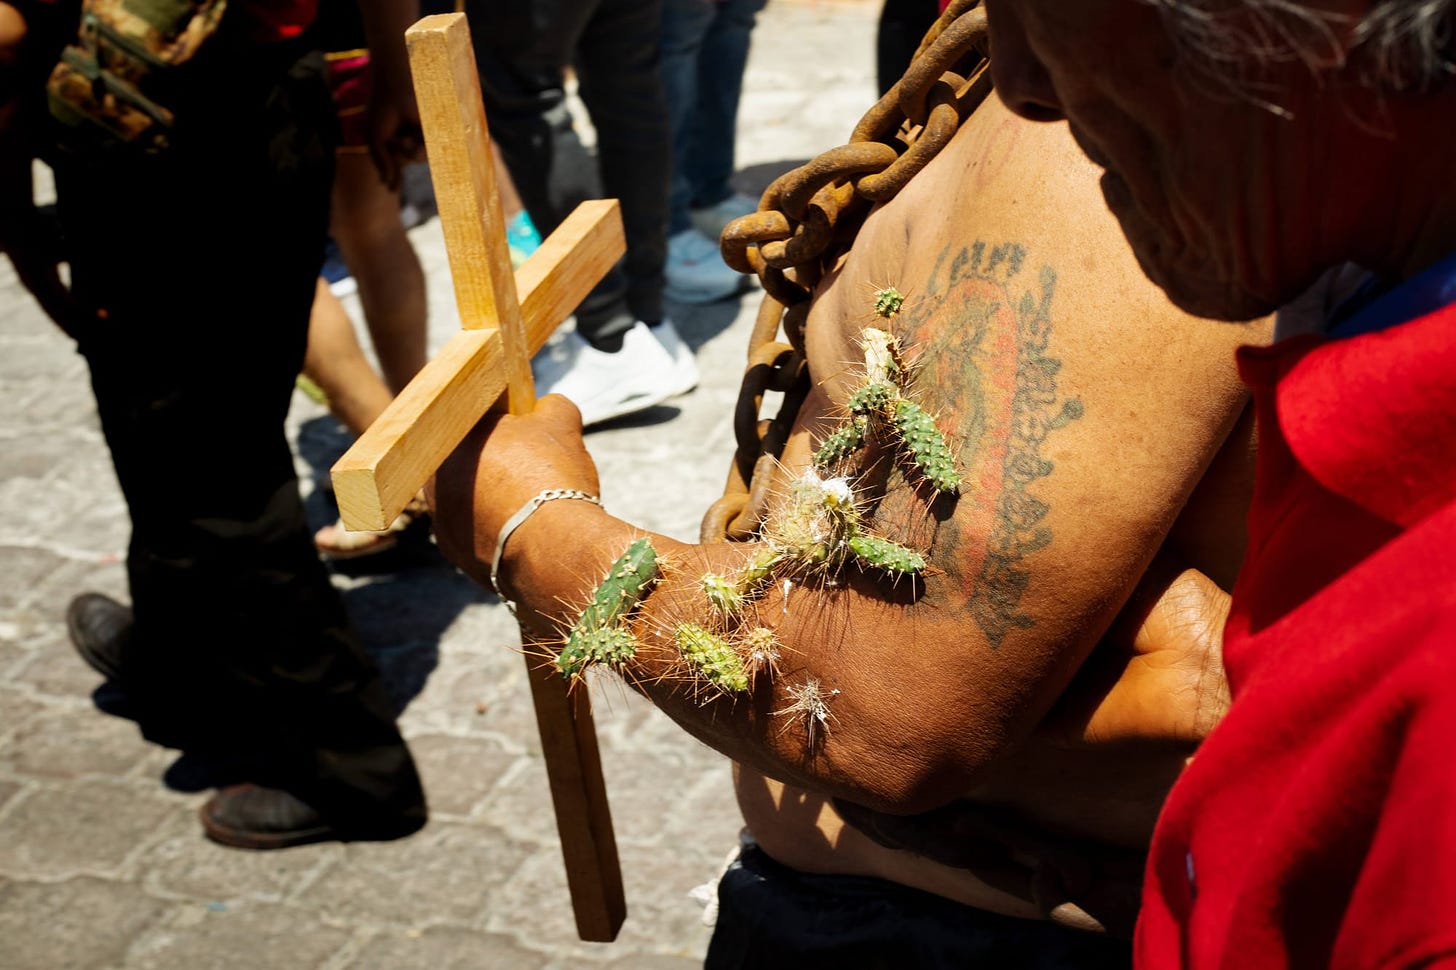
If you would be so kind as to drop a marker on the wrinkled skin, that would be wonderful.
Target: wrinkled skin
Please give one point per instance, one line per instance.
(1227, 204)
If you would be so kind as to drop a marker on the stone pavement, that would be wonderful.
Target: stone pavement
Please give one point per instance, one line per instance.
(101, 865)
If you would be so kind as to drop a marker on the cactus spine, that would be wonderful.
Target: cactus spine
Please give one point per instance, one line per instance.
(881, 399)
(713, 657)
(599, 634)
(888, 302)
(810, 703)
(926, 445)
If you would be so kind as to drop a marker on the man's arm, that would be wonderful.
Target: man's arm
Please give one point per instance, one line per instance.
(394, 117)
(1082, 411)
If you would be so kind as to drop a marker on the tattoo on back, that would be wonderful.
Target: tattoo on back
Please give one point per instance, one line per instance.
(982, 331)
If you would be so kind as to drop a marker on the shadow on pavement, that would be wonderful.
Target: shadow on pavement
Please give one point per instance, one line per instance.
(400, 602)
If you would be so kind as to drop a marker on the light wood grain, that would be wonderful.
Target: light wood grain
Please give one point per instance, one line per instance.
(462, 166)
(488, 361)
(399, 452)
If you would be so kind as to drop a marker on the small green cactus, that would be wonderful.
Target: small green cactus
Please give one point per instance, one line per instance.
(884, 554)
(874, 397)
(595, 637)
(842, 443)
(888, 302)
(926, 445)
(608, 645)
(723, 595)
(712, 656)
(762, 647)
(624, 586)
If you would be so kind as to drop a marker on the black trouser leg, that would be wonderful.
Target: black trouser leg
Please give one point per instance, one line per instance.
(205, 259)
(521, 49)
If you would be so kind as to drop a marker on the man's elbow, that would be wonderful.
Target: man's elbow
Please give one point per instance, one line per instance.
(919, 758)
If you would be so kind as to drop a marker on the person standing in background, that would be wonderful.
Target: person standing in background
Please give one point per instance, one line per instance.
(624, 354)
(194, 239)
(704, 52)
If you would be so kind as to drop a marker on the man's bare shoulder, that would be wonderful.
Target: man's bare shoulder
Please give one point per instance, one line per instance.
(1079, 406)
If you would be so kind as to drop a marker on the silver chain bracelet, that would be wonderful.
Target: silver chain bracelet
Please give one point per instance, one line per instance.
(514, 522)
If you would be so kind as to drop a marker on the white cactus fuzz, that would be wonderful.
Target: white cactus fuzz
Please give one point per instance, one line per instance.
(809, 703)
(881, 356)
(822, 526)
(762, 648)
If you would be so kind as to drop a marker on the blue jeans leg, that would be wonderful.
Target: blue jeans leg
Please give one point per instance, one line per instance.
(685, 23)
(713, 134)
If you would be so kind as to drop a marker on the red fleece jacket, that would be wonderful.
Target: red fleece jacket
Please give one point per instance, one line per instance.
(1316, 827)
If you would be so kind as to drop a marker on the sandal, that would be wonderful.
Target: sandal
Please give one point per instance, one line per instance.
(337, 542)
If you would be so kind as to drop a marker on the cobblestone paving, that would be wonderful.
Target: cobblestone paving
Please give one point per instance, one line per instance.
(102, 865)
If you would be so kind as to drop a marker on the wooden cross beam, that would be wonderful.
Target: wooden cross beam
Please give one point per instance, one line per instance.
(505, 317)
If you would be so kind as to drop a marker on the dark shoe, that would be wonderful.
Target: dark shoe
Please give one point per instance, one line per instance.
(99, 627)
(194, 772)
(253, 817)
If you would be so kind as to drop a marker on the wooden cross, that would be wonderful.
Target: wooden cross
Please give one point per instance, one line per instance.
(506, 316)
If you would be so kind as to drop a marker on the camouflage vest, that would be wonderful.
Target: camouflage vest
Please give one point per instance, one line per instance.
(111, 83)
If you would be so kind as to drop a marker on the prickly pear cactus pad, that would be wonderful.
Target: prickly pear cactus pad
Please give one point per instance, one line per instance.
(926, 446)
(712, 657)
(598, 635)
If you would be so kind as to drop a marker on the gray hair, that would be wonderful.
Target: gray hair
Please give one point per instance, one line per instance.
(1399, 45)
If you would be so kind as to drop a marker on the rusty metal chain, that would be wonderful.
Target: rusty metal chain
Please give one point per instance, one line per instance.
(808, 218)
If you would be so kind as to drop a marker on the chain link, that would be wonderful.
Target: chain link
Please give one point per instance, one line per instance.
(808, 218)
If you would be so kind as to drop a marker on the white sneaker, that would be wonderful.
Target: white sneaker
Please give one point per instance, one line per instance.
(602, 385)
(711, 220)
(685, 367)
(696, 272)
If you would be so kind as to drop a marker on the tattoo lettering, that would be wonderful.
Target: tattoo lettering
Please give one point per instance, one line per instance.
(983, 370)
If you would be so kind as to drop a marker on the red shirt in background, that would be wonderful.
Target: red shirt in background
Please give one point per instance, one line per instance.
(1316, 827)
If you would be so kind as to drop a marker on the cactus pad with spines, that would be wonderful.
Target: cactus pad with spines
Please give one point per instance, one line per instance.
(842, 443)
(723, 594)
(609, 645)
(712, 656)
(884, 554)
(888, 302)
(873, 397)
(595, 637)
(926, 445)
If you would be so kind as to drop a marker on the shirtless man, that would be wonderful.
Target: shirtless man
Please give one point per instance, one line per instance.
(1079, 440)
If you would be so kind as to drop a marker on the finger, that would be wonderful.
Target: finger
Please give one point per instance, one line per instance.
(559, 412)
